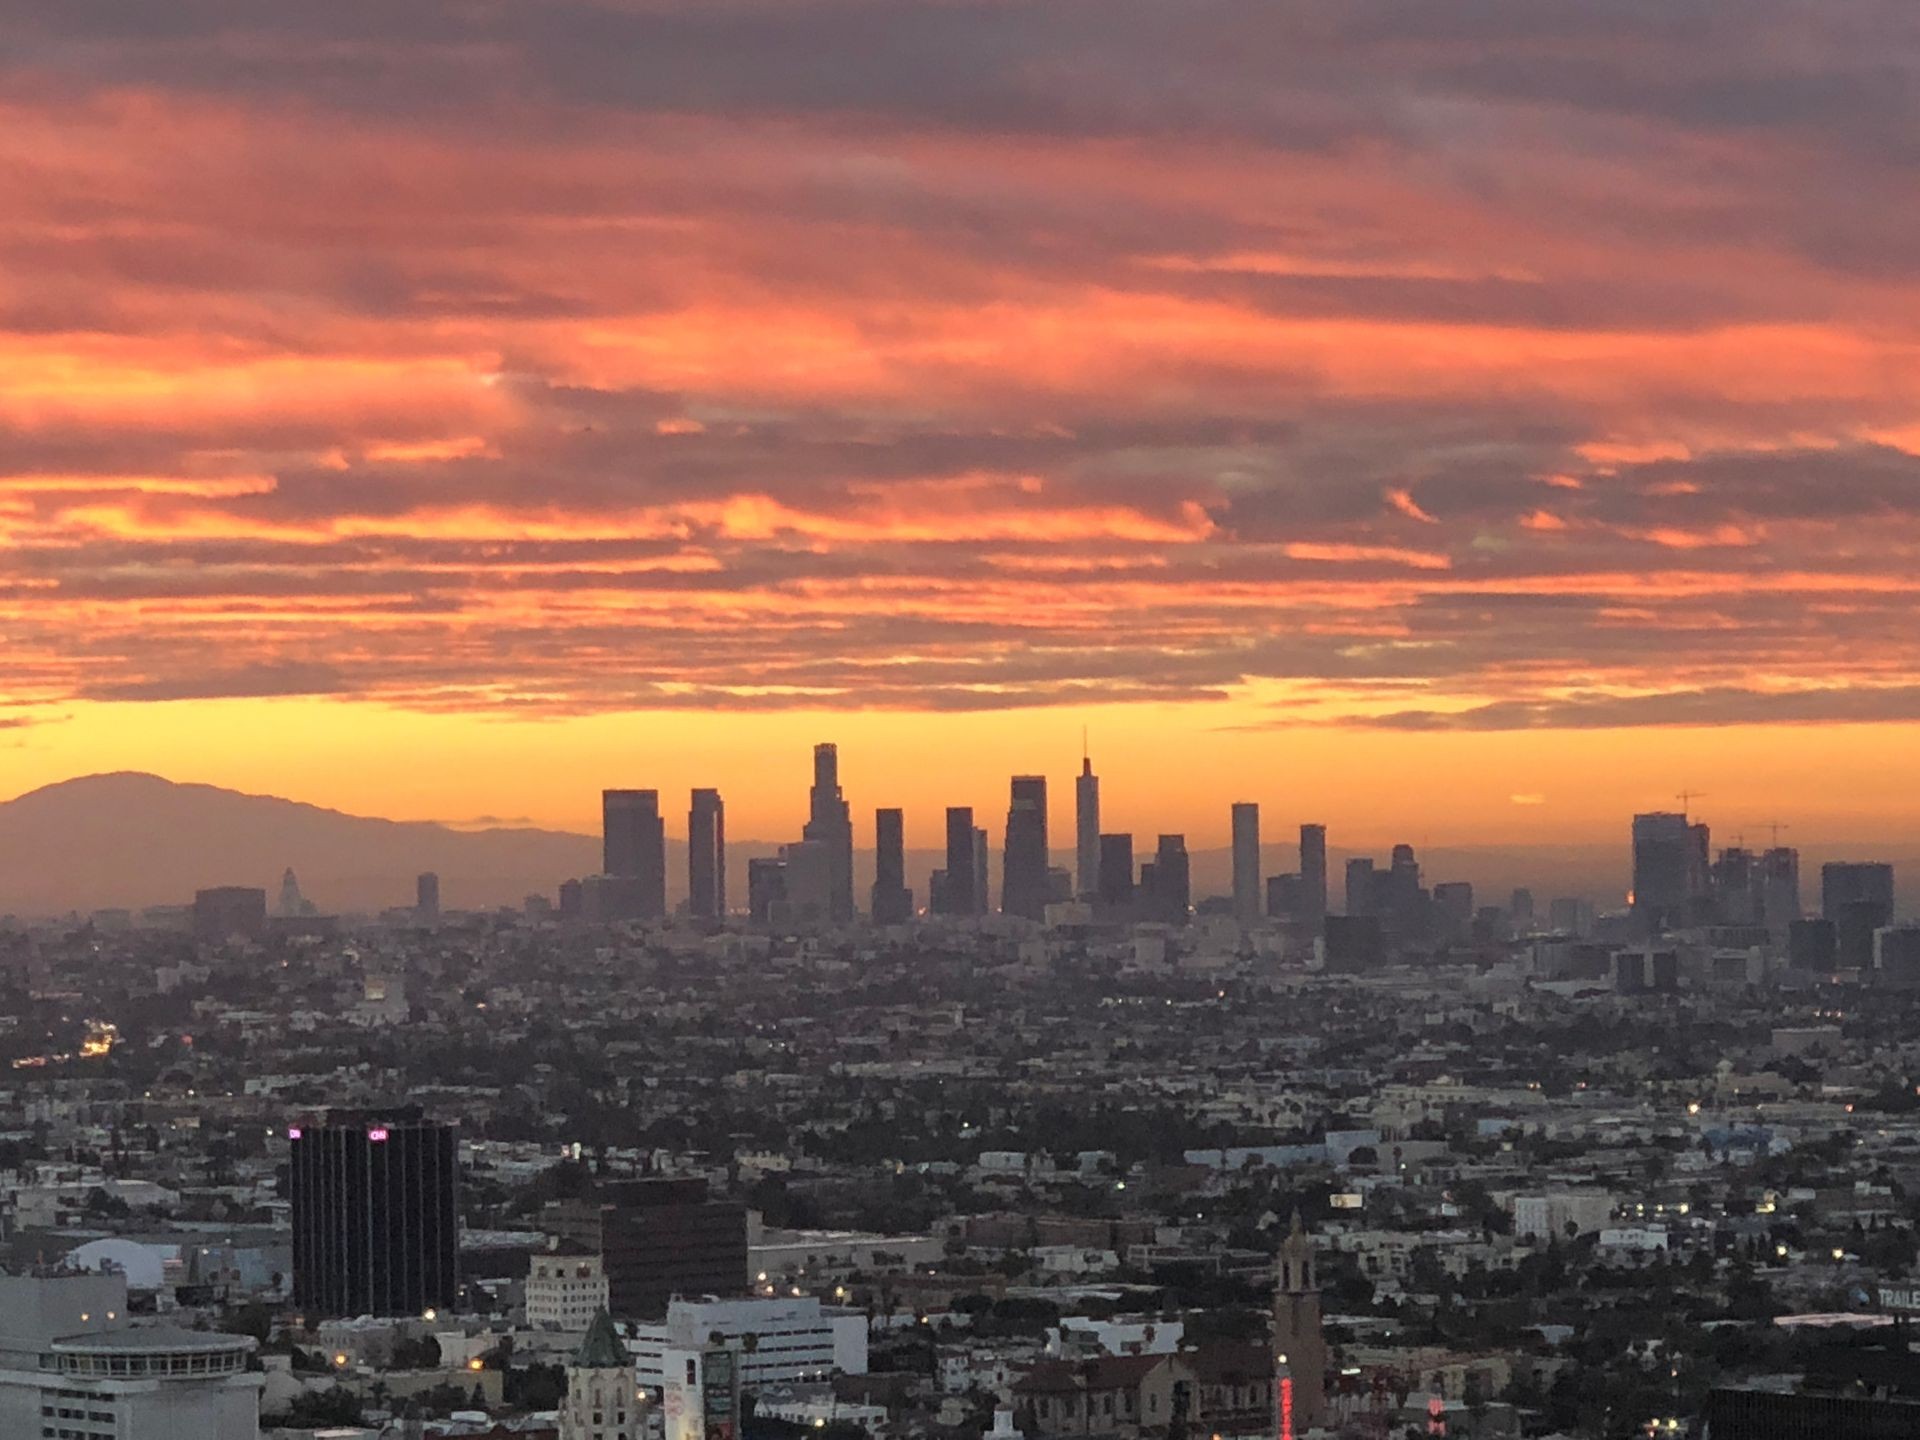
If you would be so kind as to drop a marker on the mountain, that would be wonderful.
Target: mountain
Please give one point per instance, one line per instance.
(130, 839)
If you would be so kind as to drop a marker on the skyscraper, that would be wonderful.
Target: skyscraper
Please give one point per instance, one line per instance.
(1313, 875)
(1246, 863)
(892, 900)
(1663, 845)
(1086, 830)
(634, 845)
(1115, 886)
(959, 886)
(375, 1214)
(1856, 897)
(707, 856)
(1023, 884)
(830, 822)
(1780, 886)
(426, 897)
(1167, 884)
(982, 901)
(1362, 886)
(767, 890)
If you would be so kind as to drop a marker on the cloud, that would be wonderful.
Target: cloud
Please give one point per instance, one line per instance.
(1495, 366)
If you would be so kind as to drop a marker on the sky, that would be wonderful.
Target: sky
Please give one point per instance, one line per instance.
(1480, 419)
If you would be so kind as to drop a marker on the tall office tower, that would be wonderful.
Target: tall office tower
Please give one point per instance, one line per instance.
(982, 899)
(376, 1215)
(1736, 899)
(1662, 863)
(1313, 874)
(1246, 863)
(1779, 885)
(1167, 883)
(707, 856)
(807, 872)
(1699, 909)
(959, 887)
(1023, 875)
(1453, 907)
(656, 1239)
(830, 822)
(1298, 1343)
(1844, 882)
(634, 841)
(1520, 911)
(1857, 898)
(1086, 831)
(1115, 887)
(426, 897)
(1403, 879)
(767, 891)
(1362, 886)
(292, 903)
(892, 900)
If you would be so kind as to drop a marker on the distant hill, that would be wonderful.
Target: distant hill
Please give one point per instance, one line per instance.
(130, 839)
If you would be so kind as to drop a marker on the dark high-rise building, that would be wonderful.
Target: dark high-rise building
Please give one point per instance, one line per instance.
(1663, 860)
(229, 911)
(1857, 898)
(1115, 890)
(376, 1214)
(1023, 883)
(767, 890)
(982, 899)
(1166, 886)
(1313, 875)
(426, 896)
(1453, 907)
(1363, 890)
(1353, 943)
(830, 822)
(1844, 882)
(1520, 911)
(707, 856)
(1246, 863)
(1736, 899)
(1779, 882)
(657, 1239)
(959, 889)
(892, 900)
(1286, 897)
(1086, 831)
(1813, 945)
(634, 845)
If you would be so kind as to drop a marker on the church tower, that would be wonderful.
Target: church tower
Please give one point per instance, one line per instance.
(1297, 1342)
(602, 1395)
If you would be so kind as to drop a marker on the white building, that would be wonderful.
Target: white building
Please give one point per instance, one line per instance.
(786, 1341)
(565, 1292)
(1123, 1335)
(1546, 1217)
(73, 1368)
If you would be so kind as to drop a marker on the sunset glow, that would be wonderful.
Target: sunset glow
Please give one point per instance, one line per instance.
(1495, 420)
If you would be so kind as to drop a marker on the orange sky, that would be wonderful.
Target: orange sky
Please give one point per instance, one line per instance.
(446, 411)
